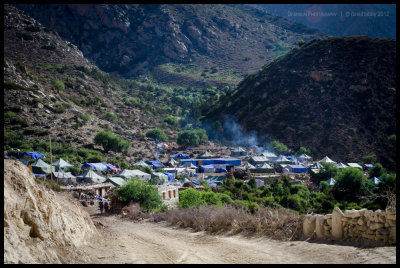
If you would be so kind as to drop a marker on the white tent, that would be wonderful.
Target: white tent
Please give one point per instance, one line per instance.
(141, 163)
(90, 176)
(188, 165)
(64, 177)
(282, 160)
(326, 160)
(304, 157)
(249, 166)
(355, 165)
(269, 155)
(341, 165)
(62, 164)
(331, 181)
(127, 174)
(172, 162)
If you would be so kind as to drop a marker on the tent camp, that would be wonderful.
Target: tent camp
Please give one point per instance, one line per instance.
(238, 152)
(326, 160)
(341, 165)
(127, 174)
(141, 163)
(116, 181)
(41, 167)
(297, 169)
(61, 164)
(316, 165)
(64, 178)
(331, 181)
(89, 176)
(355, 165)
(264, 168)
(206, 155)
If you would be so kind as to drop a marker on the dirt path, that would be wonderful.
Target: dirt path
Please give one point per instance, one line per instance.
(125, 241)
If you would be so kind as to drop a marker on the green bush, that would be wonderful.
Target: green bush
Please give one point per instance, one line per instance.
(190, 198)
(170, 120)
(111, 116)
(210, 198)
(351, 185)
(58, 84)
(141, 192)
(157, 134)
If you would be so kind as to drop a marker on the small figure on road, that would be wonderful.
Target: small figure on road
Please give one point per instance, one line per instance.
(101, 206)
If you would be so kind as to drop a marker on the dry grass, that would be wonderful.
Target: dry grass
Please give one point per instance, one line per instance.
(280, 225)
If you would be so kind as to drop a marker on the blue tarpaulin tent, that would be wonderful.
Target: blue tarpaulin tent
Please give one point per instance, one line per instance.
(171, 176)
(156, 164)
(297, 169)
(98, 166)
(207, 168)
(211, 183)
(196, 182)
(181, 156)
(32, 155)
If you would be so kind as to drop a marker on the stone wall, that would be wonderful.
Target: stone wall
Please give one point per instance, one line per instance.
(359, 226)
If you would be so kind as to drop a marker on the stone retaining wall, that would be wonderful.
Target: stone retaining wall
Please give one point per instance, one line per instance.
(361, 226)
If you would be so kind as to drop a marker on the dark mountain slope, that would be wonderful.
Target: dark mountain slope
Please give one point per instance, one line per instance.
(199, 44)
(336, 96)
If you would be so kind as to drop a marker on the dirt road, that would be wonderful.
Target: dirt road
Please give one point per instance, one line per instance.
(125, 241)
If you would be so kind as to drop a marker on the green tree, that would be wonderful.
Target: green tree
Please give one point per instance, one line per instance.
(328, 170)
(279, 147)
(111, 142)
(351, 185)
(304, 150)
(377, 171)
(157, 134)
(192, 137)
(136, 190)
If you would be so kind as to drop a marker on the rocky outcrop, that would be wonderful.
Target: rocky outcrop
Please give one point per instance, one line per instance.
(40, 226)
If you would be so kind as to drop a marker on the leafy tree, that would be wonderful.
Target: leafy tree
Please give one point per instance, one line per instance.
(279, 147)
(328, 170)
(377, 171)
(111, 142)
(136, 190)
(192, 137)
(369, 159)
(157, 134)
(351, 185)
(170, 120)
(304, 150)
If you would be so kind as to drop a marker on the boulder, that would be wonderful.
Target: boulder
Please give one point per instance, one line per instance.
(309, 225)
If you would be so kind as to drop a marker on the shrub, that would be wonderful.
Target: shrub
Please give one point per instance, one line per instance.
(157, 134)
(111, 116)
(58, 84)
(210, 198)
(190, 198)
(141, 192)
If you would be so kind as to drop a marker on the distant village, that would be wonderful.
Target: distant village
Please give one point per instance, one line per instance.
(181, 172)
